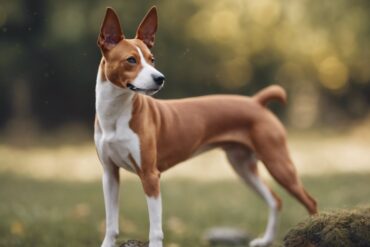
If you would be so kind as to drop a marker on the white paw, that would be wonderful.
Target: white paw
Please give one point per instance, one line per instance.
(108, 243)
(155, 244)
(260, 242)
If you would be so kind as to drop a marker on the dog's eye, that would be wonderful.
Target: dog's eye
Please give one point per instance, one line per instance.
(153, 60)
(131, 60)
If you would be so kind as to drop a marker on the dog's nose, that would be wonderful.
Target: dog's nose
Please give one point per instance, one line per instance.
(158, 79)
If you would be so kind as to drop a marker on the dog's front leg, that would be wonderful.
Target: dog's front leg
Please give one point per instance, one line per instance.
(111, 197)
(155, 218)
(153, 197)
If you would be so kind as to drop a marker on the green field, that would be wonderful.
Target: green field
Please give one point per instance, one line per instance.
(48, 213)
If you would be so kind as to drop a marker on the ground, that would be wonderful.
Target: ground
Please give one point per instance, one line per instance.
(49, 213)
(50, 195)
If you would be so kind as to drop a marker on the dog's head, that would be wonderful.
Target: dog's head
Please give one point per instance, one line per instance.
(129, 63)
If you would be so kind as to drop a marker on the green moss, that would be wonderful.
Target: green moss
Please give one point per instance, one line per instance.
(337, 228)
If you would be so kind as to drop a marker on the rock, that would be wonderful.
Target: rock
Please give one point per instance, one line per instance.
(343, 227)
(226, 236)
(134, 243)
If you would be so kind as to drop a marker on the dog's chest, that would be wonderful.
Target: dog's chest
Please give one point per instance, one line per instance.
(115, 141)
(119, 146)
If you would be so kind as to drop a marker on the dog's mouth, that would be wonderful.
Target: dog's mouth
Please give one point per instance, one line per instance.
(150, 91)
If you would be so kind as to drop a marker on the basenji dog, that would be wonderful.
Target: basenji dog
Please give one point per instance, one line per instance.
(147, 136)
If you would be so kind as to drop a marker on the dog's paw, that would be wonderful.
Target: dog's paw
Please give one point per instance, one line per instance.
(260, 242)
(155, 244)
(108, 244)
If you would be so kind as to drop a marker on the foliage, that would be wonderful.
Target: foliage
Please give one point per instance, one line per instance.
(317, 50)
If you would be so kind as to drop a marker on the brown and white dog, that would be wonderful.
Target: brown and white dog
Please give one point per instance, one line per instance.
(148, 136)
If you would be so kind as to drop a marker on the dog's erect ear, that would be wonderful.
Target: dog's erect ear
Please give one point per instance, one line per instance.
(110, 32)
(148, 27)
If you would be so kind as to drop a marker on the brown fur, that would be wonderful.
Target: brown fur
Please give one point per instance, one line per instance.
(271, 93)
(171, 131)
(118, 70)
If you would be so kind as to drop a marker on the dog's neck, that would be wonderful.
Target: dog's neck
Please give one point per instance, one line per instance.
(112, 102)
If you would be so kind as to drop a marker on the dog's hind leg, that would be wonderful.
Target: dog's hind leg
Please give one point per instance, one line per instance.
(245, 164)
(272, 149)
(283, 171)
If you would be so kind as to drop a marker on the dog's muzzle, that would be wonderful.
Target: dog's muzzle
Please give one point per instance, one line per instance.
(150, 91)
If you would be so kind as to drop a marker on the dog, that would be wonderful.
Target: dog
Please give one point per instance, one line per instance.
(147, 136)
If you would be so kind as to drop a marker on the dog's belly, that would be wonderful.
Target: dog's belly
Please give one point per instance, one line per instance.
(238, 136)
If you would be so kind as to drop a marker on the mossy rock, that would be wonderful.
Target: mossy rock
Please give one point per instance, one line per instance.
(341, 228)
(134, 243)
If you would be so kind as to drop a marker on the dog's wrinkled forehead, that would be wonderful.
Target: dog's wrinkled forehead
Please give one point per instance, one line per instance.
(127, 48)
(143, 48)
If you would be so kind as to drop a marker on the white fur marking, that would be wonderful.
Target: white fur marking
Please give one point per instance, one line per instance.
(144, 79)
(271, 228)
(155, 218)
(111, 198)
(115, 141)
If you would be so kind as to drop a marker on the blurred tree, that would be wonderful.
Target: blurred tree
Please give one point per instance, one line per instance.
(319, 51)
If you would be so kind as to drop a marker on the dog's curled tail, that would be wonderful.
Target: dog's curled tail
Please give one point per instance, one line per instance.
(273, 92)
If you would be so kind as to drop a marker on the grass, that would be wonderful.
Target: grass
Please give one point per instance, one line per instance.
(68, 213)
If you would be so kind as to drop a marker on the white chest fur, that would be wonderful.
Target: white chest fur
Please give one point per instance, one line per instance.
(114, 139)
